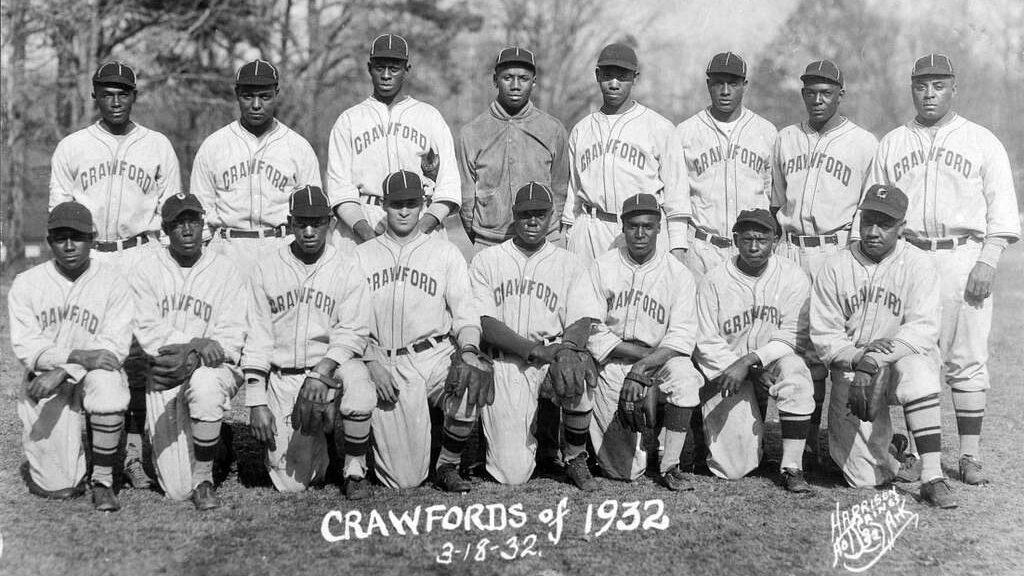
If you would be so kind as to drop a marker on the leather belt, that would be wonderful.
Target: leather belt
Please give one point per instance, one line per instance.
(116, 245)
(287, 371)
(713, 239)
(425, 344)
(812, 241)
(933, 244)
(276, 232)
(597, 212)
(371, 199)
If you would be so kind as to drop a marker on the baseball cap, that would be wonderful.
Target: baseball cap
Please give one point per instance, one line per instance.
(515, 55)
(180, 202)
(933, 65)
(888, 200)
(640, 203)
(257, 73)
(759, 216)
(533, 196)
(824, 69)
(114, 72)
(70, 215)
(402, 185)
(389, 46)
(727, 63)
(309, 202)
(618, 55)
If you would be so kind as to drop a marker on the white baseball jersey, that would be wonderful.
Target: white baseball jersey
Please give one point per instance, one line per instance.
(739, 314)
(51, 315)
(818, 179)
(653, 303)
(122, 180)
(302, 313)
(419, 289)
(956, 176)
(613, 157)
(244, 182)
(716, 169)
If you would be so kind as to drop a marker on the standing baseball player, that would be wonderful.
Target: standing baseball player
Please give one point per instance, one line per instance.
(819, 174)
(71, 330)
(388, 132)
(244, 172)
(719, 162)
(642, 303)
(511, 144)
(420, 296)
(522, 288)
(309, 320)
(121, 171)
(875, 321)
(963, 212)
(751, 311)
(614, 153)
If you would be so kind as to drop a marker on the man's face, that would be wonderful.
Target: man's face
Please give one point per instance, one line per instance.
(821, 99)
(933, 96)
(616, 84)
(879, 233)
(70, 248)
(387, 76)
(754, 244)
(403, 215)
(185, 234)
(726, 92)
(641, 234)
(310, 232)
(256, 105)
(514, 84)
(531, 226)
(115, 103)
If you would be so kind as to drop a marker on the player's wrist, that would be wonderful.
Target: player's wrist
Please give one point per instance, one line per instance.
(323, 378)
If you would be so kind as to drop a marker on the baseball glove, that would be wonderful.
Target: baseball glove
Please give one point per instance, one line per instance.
(476, 383)
(866, 392)
(572, 372)
(172, 366)
(639, 415)
(430, 163)
(313, 415)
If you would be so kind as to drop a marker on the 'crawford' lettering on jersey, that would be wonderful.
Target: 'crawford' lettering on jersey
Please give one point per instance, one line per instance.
(304, 295)
(769, 314)
(253, 167)
(833, 166)
(518, 287)
(74, 314)
(110, 168)
(411, 276)
(186, 303)
(714, 155)
(633, 297)
(364, 140)
(937, 154)
(624, 150)
(874, 294)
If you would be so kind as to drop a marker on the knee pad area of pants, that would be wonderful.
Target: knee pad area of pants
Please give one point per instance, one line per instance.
(105, 392)
(206, 397)
(793, 389)
(915, 376)
(681, 382)
(358, 393)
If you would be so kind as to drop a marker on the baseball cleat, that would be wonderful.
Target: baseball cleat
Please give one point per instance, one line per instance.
(970, 471)
(793, 480)
(578, 471)
(938, 493)
(204, 497)
(357, 488)
(449, 480)
(104, 499)
(676, 480)
(910, 469)
(136, 475)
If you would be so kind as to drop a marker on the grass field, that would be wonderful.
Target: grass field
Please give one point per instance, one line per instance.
(745, 527)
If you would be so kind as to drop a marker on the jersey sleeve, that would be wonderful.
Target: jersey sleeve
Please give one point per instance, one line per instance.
(351, 318)
(1002, 217)
(468, 176)
(587, 300)
(681, 335)
(448, 187)
(259, 337)
(560, 172)
(459, 293)
(920, 327)
(307, 164)
(340, 186)
(569, 209)
(713, 352)
(677, 190)
(778, 199)
(481, 281)
(170, 179)
(827, 319)
(29, 342)
(62, 178)
(202, 182)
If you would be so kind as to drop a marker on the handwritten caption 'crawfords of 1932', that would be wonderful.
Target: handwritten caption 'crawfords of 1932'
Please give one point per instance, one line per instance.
(863, 534)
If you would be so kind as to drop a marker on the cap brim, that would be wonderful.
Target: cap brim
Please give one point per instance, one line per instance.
(403, 195)
(389, 56)
(170, 215)
(73, 225)
(882, 208)
(619, 64)
(311, 212)
(810, 77)
(514, 62)
(528, 205)
(262, 82)
(739, 224)
(932, 71)
(114, 81)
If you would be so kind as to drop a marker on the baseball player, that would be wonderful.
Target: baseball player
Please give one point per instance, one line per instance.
(419, 295)
(388, 132)
(719, 162)
(614, 153)
(643, 306)
(121, 171)
(511, 144)
(71, 330)
(875, 320)
(309, 320)
(190, 318)
(522, 287)
(750, 312)
(819, 173)
(244, 172)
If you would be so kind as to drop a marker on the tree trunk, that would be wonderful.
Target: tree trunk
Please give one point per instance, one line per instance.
(14, 143)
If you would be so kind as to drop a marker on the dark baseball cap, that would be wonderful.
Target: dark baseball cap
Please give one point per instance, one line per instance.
(823, 70)
(389, 46)
(618, 55)
(515, 55)
(888, 200)
(114, 72)
(727, 63)
(257, 73)
(309, 202)
(760, 217)
(70, 215)
(640, 203)
(533, 196)
(402, 185)
(933, 65)
(179, 203)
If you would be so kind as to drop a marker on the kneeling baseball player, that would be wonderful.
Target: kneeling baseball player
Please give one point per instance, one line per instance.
(750, 311)
(522, 287)
(875, 321)
(309, 320)
(420, 294)
(642, 303)
(190, 320)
